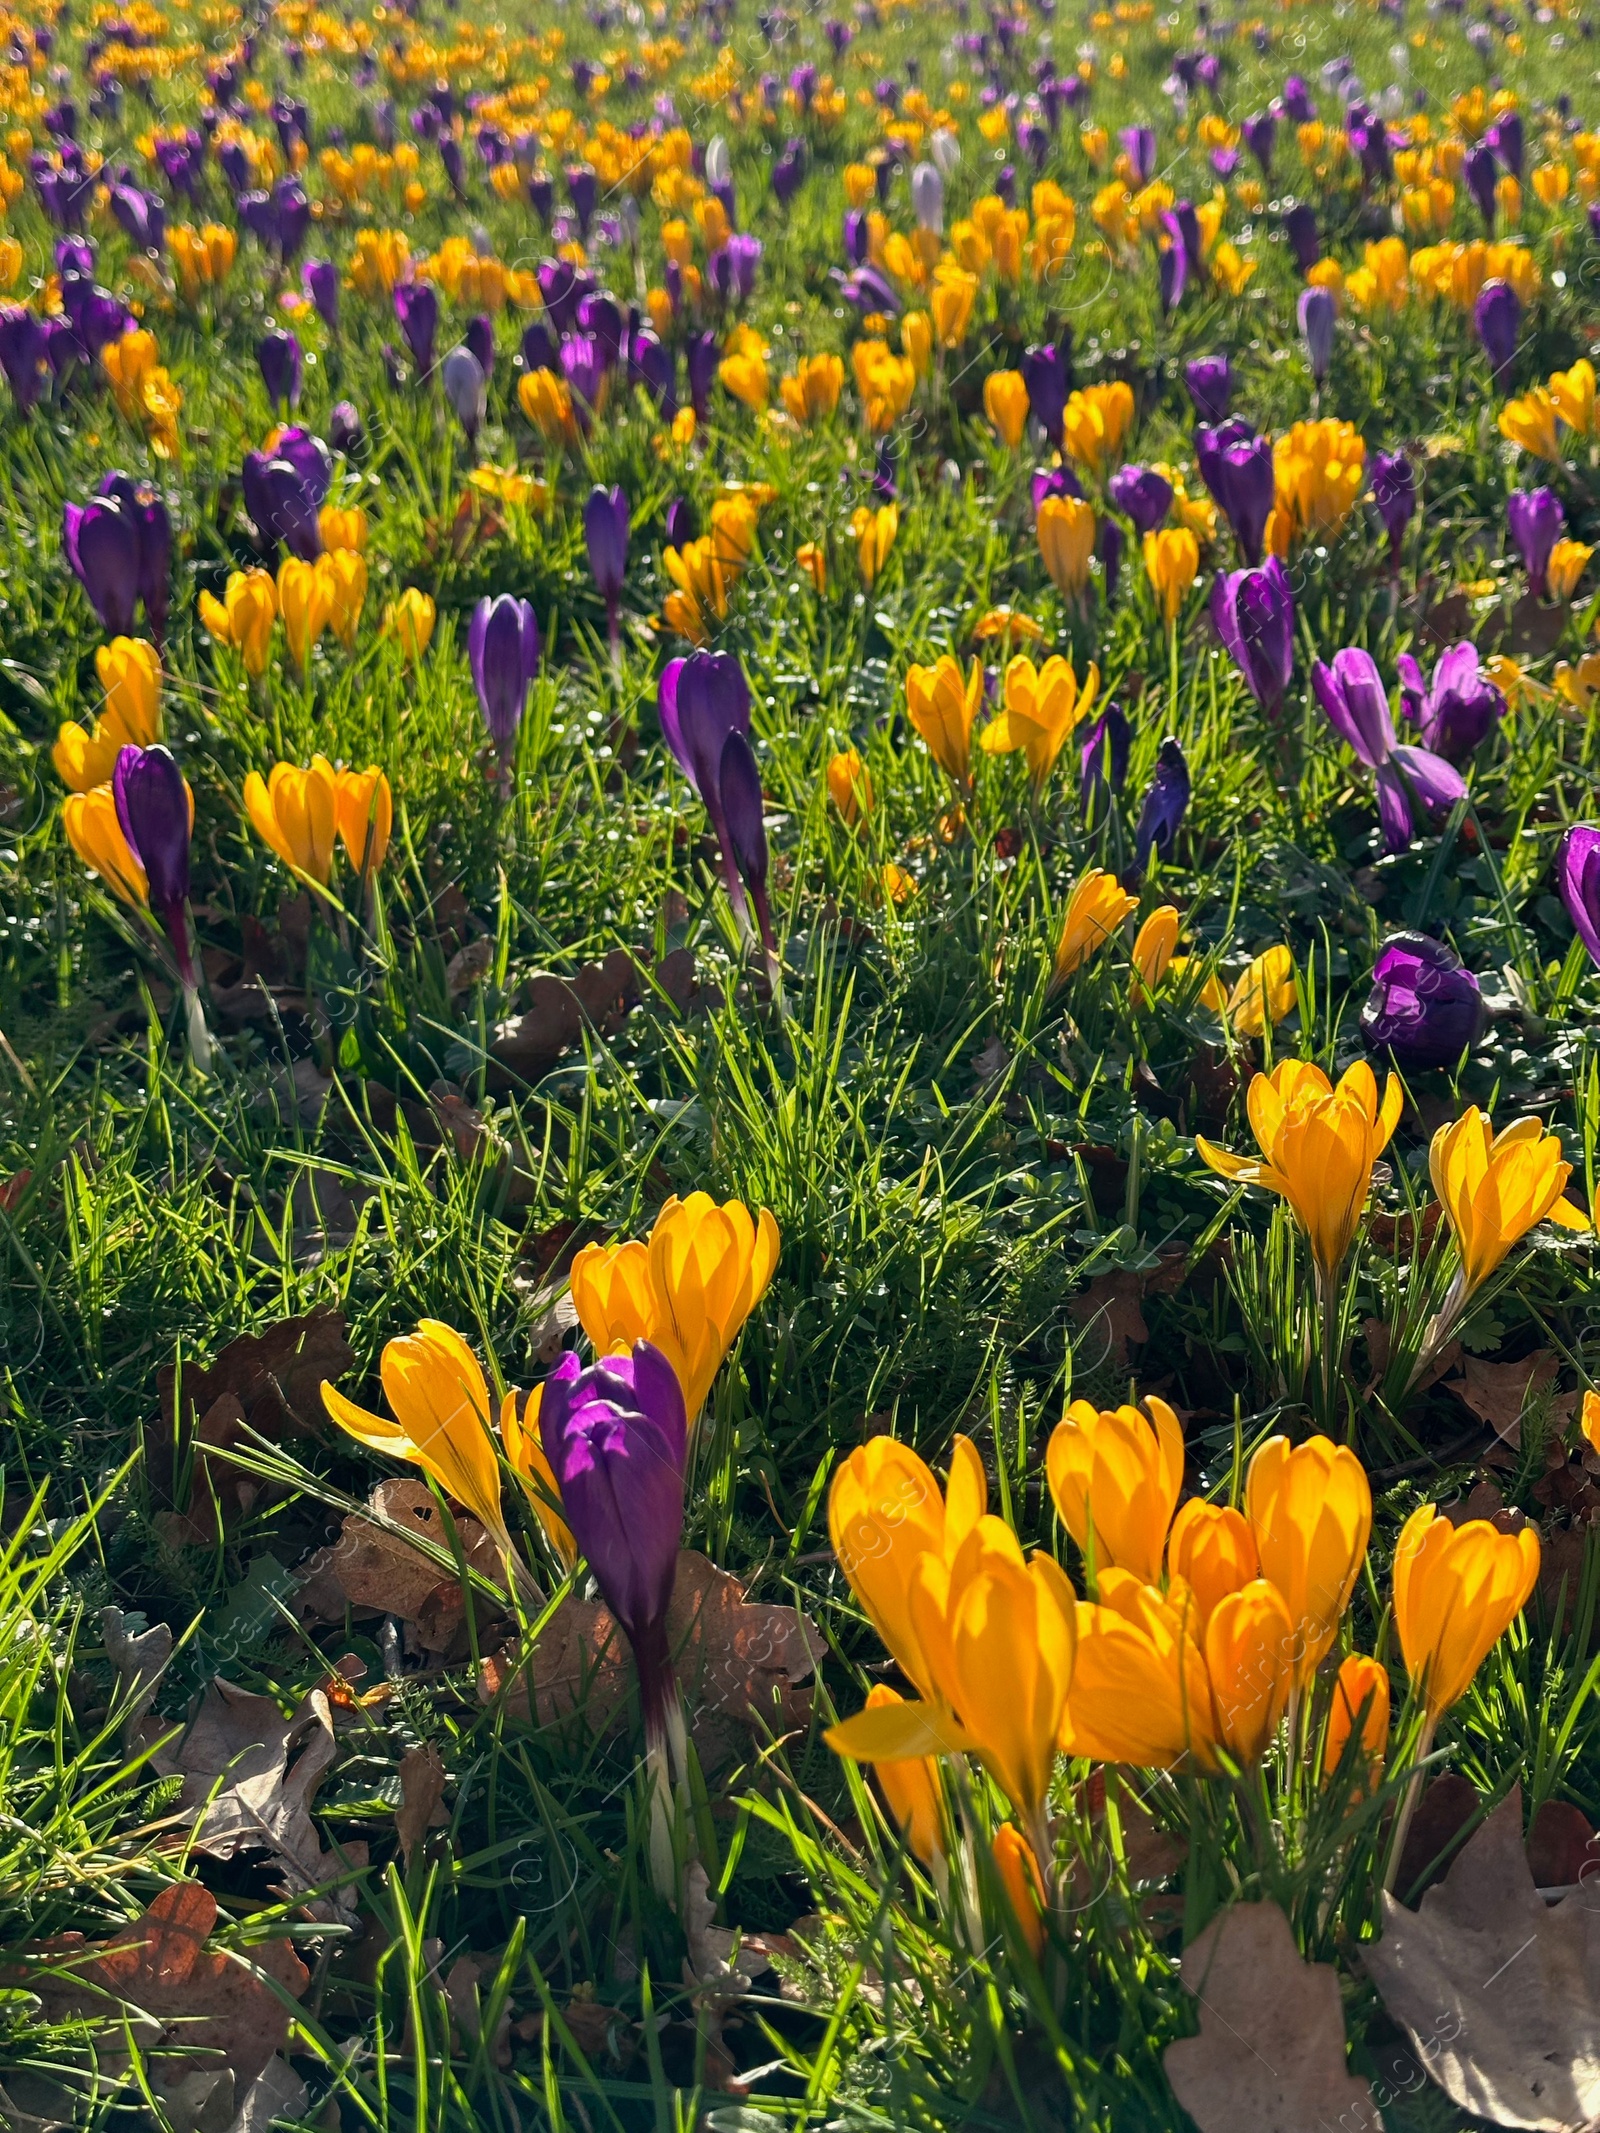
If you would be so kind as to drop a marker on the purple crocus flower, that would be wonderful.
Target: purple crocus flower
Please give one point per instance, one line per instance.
(479, 337)
(503, 651)
(584, 366)
(856, 237)
(153, 810)
(1253, 614)
(291, 209)
(1356, 705)
(704, 354)
(617, 1437)
(283, 493)
(102, 546)
(320, 280)
(466, 388)
(1297, 102)
(1259, 135)
(1053, 481)
(1165, 804)
(1478, 169)
(24, 353)
(416, 306)
(282, 367)
(1210, 383)
(602, 317)
(345, 431)
(739, 782)
(141, 216)
(1316, 314)
(1300, 227)
(559, 285)
(1110, 547)
(680, 522)
(700, 700)
(583, 190)
(1142, 495)
(1103, 762)
(1236, 466)
(1536, 519)
(1139, 146)
(788, 172)
(653, 365)
(1578, 874)
(1457, 708)
(1047, 373)
(1424, 1009)
(605, 533)
(1505, 138)
(1394, 492)
(1172, 270)
(1498, 317)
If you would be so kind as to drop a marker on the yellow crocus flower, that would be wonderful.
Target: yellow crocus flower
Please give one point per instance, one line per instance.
(1457, 1589)
(409, 620)
(1114, 1476)
(1042, 705)
(688, 1289)
(305, 601)
(1318, 1145)
(435, 1385)
(1065, 529)
(296, 814)
(364, 812)
(942, 704)
(1140, 1693)
(243, 618)
(1096, 907)
(1495, 1187)
(1005, 403)
(1310, 1512)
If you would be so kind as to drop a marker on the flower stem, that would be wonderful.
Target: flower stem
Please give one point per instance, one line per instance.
(1408, 1806)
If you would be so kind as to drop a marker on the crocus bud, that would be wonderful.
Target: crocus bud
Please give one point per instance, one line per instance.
(320, 280)
(1103, 764)
(503, 651)
(1165, 804)
(1236, 466)
(1300, 227)
(1210, 383)
(345, 432)
(927, 197)
(466, 389)
(282, 367)
(24, 353)
(102, 546)
(1535, 518)
(616, 1436)
(1394, 492)
(1047, 373)
(416, 306)
(1424, 1009)
(1479, 171)
(1139, 146)
(1253, 613)
(1142, 495)
(1259, 136)
(605, 533)
(1505, 138)
(1316, 314)
(479, 337)
(700, 701)
(1498, 316)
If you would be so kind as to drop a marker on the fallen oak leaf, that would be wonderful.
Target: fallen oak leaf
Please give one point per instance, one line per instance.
(1109, 1313)
(1270, 2056)
(737, 1663)
(206, 2005)
(421, 1808)
(1501, 1393)
(1526, 2052)
(376, 1566)
(1563, 1850)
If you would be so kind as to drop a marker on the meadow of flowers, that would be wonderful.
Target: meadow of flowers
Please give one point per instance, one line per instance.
(801, 912)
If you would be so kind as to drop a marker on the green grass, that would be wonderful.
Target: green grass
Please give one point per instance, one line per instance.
(953, 1151)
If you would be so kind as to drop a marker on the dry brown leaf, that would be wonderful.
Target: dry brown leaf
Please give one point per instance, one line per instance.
(242, 1791)
(739, 1664)
(1447, 1805)
(1270, 2056)
(1109, 1314)
(373, 1567)
(599, 996)
(1495, 1988)
(1563, 1850)
(211, 2012)
(1499, 1393)
(267, 1382)
(421, 1797)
